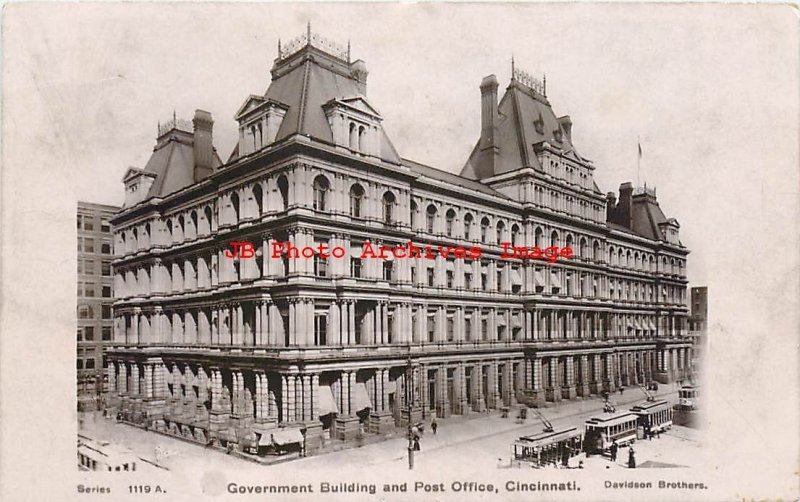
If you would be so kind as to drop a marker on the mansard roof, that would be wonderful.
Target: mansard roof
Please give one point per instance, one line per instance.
(173, 166)
(451, 178)
(525, 119)
(309, 79)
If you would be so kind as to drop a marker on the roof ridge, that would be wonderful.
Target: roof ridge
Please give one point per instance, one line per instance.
(520, 130)
(303, 96)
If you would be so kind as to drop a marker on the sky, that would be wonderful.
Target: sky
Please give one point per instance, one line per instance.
(710, 92)
(658, 77)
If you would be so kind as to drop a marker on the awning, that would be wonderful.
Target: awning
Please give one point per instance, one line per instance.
(539, 278)
(516, 278)
(281, 437)
(361, 397)
(554, 280)
(327, 404)
(500, 320)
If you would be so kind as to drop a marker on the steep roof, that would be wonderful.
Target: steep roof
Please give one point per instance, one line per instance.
(308, 79)
(646, 216)
(525, 119)
(172, 163)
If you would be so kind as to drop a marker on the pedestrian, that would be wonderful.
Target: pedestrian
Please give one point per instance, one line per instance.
(416, 443)
(614, 448)
(565, 457)
(434, 425)
(658, 434)
(631, 458)
(621, 390)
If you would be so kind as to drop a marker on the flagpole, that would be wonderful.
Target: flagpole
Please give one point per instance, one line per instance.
(638, 158)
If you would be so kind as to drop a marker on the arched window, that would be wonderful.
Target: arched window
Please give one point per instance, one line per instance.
(621, 258)
(430, 218)
(321, 186)
(413, 215)
(554, 239)
(484, 229)
(283, 186)
(450, 218)
(596, 251)
(193, 216)
(353, 136)
(209, 217)
(356, 200)
(361, 138)
(538, 238)
(514, 235)
(388, 207)
(582, 248)
(235, 206)
(629, 260)
(258, 196)
(501, 227)
(612, 256)
(568, 242)
(467, 226)
(182, 225)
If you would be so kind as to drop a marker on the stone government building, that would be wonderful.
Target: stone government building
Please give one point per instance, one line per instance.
(235, 350)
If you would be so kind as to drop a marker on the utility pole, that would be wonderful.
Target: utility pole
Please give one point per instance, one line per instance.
(410, 405)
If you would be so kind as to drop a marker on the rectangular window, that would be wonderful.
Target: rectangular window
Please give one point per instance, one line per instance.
(88, 267)
(105, 248)
(79, 221)
(88, 245)
(387, 271)
(320, 330)
(106, 291)
(467, 327)
(105, 268)
(88, 333)
(450, 279)
(106, 334)
(88, 290)
(468, 281)
(450, 329)
(430, 277)
(106, 311)
(355, 267)
(105, 226)
(483, 281)
(80, 334)
(431, 328)
(90, 364)
(499, 280)
(320, 266)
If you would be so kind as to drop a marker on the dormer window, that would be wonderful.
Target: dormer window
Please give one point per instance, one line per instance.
(355, 124)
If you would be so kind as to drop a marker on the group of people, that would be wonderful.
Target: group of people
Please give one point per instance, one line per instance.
(631, 454)
(416, 432)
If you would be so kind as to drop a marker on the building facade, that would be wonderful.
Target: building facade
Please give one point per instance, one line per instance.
(233, 350)
(95, 298)
(698, 323)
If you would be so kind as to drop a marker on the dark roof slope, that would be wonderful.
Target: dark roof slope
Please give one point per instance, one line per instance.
(451, 178)
(173, 164)
(525, 118)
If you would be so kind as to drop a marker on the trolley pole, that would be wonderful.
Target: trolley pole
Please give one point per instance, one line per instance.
(410, 405)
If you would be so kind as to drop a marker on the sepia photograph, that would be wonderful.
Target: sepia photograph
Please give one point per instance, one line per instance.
(380, 251)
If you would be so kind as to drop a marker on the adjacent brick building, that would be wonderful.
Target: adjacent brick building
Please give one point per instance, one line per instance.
(236, 350)
(95, 298)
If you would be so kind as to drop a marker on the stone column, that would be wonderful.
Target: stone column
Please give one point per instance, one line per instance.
(569, 391)
(583, 386)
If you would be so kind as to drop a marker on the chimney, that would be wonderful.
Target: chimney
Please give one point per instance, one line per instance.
(623, 213)
(566, 124)
(611, 204)
(487, 147)
(358, 70)
(203, 145)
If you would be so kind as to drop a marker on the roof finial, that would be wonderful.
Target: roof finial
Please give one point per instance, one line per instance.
(348, 50)
(544, 84)
(308, 31)
(512, 66)
(174, 116)
(279, 47)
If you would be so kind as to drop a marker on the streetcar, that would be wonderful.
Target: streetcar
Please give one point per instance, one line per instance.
(548, 448)
(654, 416)
(601, 432)
(687, 397)
(102, 456)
